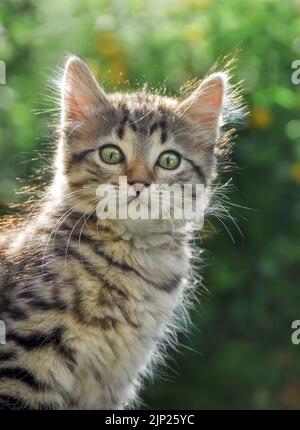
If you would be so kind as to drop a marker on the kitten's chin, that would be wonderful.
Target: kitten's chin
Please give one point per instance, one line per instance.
(147, 227)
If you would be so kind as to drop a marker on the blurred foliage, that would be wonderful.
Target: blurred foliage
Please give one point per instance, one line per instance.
(240, 354)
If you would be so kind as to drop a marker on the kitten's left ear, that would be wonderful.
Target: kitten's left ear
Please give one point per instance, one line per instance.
(204, 106)
(82, 96)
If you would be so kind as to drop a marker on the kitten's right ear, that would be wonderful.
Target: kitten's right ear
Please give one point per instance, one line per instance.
(81, 95)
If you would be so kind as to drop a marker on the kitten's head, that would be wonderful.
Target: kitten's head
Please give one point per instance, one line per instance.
(147, 138)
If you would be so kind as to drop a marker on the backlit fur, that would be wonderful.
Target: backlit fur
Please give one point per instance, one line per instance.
(88, 304)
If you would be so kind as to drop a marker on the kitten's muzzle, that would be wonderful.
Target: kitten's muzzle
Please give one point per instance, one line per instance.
(138, 186)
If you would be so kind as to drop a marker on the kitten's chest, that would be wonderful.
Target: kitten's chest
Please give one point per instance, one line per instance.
(116, 341)
(110, 360)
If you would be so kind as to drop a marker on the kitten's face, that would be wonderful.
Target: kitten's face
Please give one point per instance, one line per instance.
(149, 139)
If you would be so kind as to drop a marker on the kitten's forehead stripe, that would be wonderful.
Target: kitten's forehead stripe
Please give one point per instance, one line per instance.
(142, 112)
(120, 132)
(164, 134)
(153, 128)
(133, 126)
(121, 127)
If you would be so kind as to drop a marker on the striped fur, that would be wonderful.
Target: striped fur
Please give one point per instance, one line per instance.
(86, 302)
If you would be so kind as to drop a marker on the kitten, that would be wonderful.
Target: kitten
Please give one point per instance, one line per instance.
(87, 302)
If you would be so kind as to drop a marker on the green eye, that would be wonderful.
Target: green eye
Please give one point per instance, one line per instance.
(169, 160)
(111, 154)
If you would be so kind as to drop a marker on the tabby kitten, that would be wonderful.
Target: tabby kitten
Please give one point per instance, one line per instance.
(87, 302)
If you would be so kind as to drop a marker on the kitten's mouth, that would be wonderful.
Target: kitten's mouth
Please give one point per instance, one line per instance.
(131, 198)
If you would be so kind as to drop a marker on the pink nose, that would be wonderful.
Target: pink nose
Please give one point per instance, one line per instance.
(138, 187)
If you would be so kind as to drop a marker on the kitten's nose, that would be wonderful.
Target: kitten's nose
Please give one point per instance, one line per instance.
(138, 186)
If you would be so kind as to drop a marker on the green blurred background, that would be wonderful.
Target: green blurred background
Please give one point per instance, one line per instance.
(240, 354)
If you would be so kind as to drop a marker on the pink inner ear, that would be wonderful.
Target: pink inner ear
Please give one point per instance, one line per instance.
(81, 92)
(76, 107)
(76, 104)
(205, 104)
